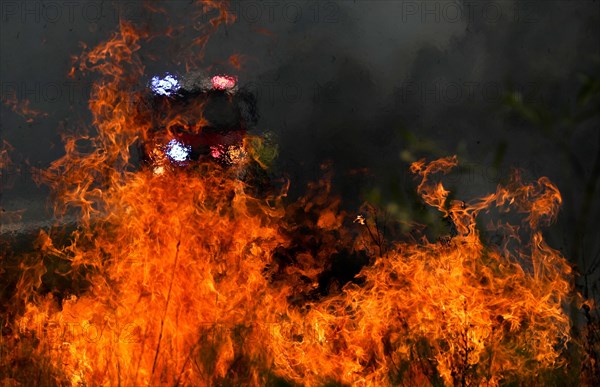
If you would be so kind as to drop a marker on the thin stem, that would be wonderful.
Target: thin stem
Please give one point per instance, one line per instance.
(162, 321)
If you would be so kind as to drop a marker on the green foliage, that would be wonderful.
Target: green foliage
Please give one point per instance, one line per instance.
(264, 149)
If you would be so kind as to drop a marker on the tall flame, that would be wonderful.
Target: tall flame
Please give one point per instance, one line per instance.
(186, 278)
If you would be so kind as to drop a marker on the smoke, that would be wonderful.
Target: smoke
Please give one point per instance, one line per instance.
(367, 85)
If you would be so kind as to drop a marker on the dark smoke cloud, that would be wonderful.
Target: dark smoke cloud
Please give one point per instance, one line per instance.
(336, 80)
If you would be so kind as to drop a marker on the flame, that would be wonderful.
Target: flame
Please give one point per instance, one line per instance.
(185, 277)
(22, 108)
(236, 61)
(5, 150)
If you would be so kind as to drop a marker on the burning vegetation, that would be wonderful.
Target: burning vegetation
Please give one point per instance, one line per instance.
(181, 272)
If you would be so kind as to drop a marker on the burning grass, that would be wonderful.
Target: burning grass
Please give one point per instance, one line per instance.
(188, 278)
(183, 285)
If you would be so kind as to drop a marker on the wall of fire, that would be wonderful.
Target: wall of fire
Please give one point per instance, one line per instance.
(368, 85)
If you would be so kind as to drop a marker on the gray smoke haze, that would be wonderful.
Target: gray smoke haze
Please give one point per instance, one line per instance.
(366, 84)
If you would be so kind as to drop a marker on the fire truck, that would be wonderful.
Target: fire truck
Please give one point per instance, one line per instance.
(198, 119)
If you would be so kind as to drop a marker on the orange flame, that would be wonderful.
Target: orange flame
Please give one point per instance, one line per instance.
(182, 278)
(22, 108)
